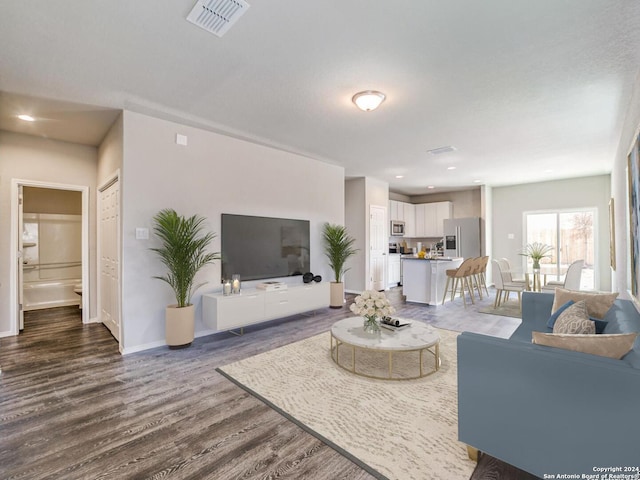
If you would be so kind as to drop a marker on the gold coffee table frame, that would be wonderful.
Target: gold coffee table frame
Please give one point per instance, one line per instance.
(359, 341)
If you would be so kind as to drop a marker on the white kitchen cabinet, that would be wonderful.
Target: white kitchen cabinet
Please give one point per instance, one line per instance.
(430, 218)
(409, 219)
(420, 214)
(394, 270)
(396, 210)
(444, 211)
(430, 227)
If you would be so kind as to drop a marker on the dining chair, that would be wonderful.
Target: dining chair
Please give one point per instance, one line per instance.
(508, 271)
(504, 289)
(571, 279)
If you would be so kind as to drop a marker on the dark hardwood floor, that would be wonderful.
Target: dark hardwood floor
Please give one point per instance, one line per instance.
(71, 407)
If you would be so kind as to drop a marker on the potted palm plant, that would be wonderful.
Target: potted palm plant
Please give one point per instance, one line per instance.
(338, 247)
(184, 252)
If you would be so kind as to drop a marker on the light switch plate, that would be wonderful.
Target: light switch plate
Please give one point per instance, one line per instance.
(511, 236)
(142, 233)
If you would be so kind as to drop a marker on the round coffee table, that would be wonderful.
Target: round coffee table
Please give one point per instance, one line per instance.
(417, 337)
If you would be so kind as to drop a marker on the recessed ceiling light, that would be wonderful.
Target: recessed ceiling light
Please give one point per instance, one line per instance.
(399, 176)
(368, 100)
(26, 118)
(477, 181)
(451, 168)
(431, 187)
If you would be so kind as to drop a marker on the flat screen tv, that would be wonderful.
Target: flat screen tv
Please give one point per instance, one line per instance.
(262, 247)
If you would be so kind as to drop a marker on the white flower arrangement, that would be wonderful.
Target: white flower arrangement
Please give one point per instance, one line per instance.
(372, 304)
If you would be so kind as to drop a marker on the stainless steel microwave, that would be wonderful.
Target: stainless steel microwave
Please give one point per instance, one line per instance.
(397, 228)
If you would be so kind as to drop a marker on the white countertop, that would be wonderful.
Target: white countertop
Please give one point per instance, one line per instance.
(437, 259)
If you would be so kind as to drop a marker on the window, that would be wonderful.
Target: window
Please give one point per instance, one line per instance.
(571, 234)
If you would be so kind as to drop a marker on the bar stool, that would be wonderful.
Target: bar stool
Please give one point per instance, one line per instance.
(483, 273)
(459, 277)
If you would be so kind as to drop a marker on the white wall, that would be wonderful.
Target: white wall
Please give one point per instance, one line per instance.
(214, 174)
(619, 190)
(39, 159)
(110, 152)
(509, 204)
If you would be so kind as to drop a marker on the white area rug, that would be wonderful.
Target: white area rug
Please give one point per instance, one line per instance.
(402, 429)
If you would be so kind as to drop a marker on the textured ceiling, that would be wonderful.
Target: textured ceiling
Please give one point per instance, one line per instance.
(525, 91)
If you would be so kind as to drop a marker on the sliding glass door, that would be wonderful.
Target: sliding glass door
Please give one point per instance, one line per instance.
(572, 236)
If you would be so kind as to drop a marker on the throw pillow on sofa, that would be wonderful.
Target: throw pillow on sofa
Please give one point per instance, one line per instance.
(554, 316)
(600, 324)
(598, 304)
(615, 345)
(575, 320)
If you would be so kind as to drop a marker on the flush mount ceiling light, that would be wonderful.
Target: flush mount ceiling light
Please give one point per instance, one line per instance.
(368, 100)
(26, 118)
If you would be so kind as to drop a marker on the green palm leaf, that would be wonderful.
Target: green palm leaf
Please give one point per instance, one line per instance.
(338, 246)
(183, 251)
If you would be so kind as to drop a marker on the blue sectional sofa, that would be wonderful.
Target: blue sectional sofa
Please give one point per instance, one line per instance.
(551, 411)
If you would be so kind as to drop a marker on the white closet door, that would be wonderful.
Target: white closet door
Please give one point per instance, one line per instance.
(110, 258)
(378, 247)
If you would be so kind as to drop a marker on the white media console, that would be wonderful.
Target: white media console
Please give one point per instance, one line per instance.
(228, 312)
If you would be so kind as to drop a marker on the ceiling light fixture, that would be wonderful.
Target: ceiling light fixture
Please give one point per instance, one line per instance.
(399, 176)
(26, 118)
(431, 187)
(451, 168)
(368, 100)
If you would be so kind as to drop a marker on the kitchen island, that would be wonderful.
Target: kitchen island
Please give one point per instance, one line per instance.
(424, 279)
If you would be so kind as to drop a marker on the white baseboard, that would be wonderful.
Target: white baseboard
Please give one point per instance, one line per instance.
(161, 343)
(7, 334)
(94, 320)
(144, 346)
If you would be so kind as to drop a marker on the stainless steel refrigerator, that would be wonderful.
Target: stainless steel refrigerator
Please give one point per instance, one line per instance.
(462, 237)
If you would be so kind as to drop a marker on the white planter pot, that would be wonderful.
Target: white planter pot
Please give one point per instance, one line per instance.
(336, 299)
(179, 326)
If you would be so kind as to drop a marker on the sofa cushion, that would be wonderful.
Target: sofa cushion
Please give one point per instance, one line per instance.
(575, 320)
(612, 346)
(598, 304)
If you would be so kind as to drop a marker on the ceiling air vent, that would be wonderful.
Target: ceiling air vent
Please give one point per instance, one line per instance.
(441, 150)
(217, 16)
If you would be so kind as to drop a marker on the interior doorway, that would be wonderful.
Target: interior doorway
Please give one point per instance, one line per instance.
(49, 248)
